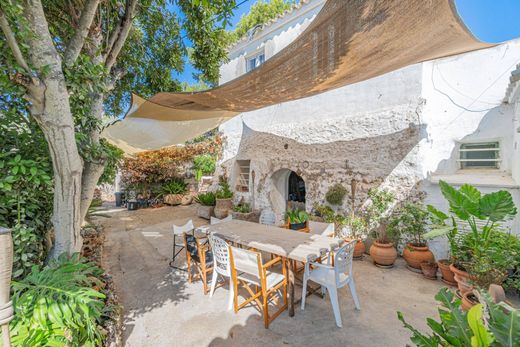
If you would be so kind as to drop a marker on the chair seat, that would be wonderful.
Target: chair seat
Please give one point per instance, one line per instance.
(209, 257)
(326, 276)
(272, 279)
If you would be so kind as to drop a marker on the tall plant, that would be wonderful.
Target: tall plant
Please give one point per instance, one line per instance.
(410, 222)
(375, 214)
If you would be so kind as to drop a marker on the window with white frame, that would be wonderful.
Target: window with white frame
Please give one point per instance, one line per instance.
(482, 155)
(255, 61)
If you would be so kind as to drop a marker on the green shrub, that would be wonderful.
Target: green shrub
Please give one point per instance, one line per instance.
(336, 194)
(485, 324)
(206, 199)
(224, 192)
(175, 186)
(242, 208)
(57, 305)
(204, 164)
(410, 221)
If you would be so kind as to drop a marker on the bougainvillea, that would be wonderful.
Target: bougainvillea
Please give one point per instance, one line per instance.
(160, 166)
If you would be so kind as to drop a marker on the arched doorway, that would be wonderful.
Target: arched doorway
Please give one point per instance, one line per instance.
(288, 191)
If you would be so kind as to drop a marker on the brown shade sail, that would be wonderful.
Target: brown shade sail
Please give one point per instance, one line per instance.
(349, 41)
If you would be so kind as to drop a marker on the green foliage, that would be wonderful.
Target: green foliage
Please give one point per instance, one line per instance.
(329, 216)
(224, 192)
(206, 199)
(375, 213)
(358, 227)
(114, 157)
(260, 13)
(175, 186)
(410, 221)
(296, 216)
(501, 326)
(57, 305)
(242, 208)
(204, 164)
(486, 252)
(336, 194)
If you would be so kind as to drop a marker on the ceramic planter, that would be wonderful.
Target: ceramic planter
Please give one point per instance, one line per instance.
(297, 226)
(448, 276)
(463, 280)
(222, 207)
(205, 211)
(468, 301)
(415, 255)
(429, 270)
(359, 249)
(383, 254)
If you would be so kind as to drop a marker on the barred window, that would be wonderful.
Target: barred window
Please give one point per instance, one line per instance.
(484, 155)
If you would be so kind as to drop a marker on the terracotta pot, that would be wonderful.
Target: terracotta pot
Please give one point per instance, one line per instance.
(448, 276)
(415, 255)
(462, 278)
(383, 254)
(222, 208)
(468, 300)
(205, 211)
(359, 249)
(429, 270)
(186, 200)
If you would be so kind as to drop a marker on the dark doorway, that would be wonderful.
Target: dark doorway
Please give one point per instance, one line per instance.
(296, 188)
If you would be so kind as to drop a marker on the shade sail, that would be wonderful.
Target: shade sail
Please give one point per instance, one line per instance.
(349, 41)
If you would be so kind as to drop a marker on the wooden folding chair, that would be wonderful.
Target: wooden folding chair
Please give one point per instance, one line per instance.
(198, 253)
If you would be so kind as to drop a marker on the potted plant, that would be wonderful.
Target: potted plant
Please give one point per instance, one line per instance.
(206, 206)
(358, 229)
(243, 211)
(481, 253)
(382, 250)
(297, 219)
(224, 197)
(174, 191)
(336, 194)
(409, 222)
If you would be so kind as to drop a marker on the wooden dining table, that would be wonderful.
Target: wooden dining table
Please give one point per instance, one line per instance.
(286, 243)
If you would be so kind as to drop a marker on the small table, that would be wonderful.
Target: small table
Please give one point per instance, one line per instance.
(286, 243)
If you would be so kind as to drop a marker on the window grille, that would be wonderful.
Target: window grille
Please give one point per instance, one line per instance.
(479, 155)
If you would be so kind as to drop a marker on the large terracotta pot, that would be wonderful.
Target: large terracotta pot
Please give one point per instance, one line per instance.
(383, 254)
(359, 249)
(463, 280)
(448, 276)
(222, 208)
(415, 255)
(429, 270)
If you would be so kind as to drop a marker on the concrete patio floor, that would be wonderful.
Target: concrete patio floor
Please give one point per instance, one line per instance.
(162, 309)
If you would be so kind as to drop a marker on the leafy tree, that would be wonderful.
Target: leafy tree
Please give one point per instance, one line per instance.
(260, 13)
(67, 65)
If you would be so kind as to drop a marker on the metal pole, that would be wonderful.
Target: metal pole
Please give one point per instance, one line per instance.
(6, 270)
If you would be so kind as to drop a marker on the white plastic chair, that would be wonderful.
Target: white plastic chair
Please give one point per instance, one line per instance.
(179, 231)
(221, 265)
(248, 269)
(267, 217)
(333, 278)
(215, 220)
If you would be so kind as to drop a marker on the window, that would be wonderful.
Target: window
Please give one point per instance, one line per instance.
(479, 155)
(244, 167)
(255, 61)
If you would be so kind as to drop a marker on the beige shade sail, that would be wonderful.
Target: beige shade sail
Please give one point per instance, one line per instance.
(349, 41)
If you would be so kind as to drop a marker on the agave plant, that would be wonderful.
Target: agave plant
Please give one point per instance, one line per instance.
(58, 306)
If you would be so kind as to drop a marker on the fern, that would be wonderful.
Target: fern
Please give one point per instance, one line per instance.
(58, 306)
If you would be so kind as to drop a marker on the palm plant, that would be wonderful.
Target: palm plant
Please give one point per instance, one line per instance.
(57, 305)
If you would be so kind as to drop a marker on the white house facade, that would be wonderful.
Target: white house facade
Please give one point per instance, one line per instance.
(448, 119)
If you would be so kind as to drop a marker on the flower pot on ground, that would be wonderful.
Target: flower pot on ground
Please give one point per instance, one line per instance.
(174, 191)
(173, 199)
(243, 212)
(224, 202)
(359, 249)
(448, 276)
(468, 300)
(383, 254)
(186, 200)
(206, 206)
(416, 255)
(429, 270)
(462, 278)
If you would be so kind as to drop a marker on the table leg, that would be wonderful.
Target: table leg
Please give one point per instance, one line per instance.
(291, 289)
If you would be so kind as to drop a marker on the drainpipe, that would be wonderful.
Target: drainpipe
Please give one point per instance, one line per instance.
(6, 269)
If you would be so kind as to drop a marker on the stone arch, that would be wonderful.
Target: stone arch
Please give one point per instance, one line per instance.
(279, 194)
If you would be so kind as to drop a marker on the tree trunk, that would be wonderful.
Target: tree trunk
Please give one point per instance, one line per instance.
(50, 108)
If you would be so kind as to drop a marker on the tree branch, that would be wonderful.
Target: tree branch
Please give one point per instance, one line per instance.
(126, 25)
(11, 41)
(78, 39)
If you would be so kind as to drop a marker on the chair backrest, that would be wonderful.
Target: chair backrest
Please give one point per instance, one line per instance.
(220, 251)
(214, 220)
(179, 230)
(343, 260)
(243, 260)
(267, 217)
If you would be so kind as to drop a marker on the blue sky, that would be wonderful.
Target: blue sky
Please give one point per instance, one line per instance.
(490, 21)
